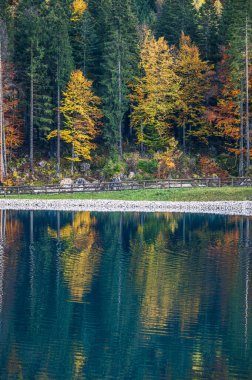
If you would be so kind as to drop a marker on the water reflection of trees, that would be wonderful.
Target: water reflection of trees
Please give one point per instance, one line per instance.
(80, 253)
(124, 295)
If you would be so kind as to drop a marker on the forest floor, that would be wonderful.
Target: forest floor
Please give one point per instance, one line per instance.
(171, 195)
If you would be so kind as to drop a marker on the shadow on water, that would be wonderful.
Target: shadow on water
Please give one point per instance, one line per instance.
(125, 296)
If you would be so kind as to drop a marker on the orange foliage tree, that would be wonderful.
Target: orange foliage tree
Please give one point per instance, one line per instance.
(229, 116)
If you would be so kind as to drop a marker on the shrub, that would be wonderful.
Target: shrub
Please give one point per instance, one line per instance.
(148, 166)
(210, 168)
(113, 168)
(131, 160)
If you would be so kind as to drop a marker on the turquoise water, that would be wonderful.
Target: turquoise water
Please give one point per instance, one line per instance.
(125, 296)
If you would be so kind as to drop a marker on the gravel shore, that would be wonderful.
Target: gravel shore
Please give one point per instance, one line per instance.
(227, 208)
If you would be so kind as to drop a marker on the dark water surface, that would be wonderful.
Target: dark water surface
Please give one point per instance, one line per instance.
(125, 296)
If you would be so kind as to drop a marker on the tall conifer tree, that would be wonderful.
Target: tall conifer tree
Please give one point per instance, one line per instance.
(119, 64)
(208, 31)
(177, 17)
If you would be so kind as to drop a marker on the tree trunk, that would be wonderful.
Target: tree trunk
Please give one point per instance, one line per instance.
(184, 137)
(58, 129)
(4, 153)
(31, 112)
(241, 161)
(1, 118)
(120, 104)
(72, 162)
(142, 144)
(247, 104)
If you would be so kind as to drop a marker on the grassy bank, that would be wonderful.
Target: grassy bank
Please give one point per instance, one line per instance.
(172, 195)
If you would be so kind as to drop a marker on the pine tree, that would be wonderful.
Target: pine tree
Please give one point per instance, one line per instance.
(176, 17)
(30, 53)
(119, 64)
(145, 10)
(208, 31)
(59, 57)
(84, 43)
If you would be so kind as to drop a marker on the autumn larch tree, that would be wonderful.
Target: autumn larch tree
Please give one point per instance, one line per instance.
(194, 76)
(80, 108)
(156, 94)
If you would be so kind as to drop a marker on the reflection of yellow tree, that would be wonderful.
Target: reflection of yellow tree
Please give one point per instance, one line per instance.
(161, 277)
(81, 255)
(79, 362)
(14, 365)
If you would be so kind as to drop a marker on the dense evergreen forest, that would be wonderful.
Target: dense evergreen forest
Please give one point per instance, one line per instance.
(107, 89)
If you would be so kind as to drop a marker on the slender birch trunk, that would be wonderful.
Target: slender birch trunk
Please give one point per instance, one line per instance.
(5, 164)
(142, 144)
(184, 137)
(1, 117)
(72, 162)
(58, 129)
(241, 161)
(247, 104)
(120, 104)
(31, 112)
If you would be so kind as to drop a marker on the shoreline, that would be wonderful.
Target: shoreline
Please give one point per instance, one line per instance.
(215, 207)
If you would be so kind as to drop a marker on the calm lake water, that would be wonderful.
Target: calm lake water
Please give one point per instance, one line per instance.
(125, 296)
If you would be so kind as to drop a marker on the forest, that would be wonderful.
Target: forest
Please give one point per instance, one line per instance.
(124, 89)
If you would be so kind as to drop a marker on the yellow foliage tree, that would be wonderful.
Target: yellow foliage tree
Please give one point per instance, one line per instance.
(194, 74)
(167, 160)
(156, 94)
(78, 9)
(82, 117)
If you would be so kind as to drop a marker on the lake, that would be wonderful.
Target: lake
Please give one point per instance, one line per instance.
(125, 296)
